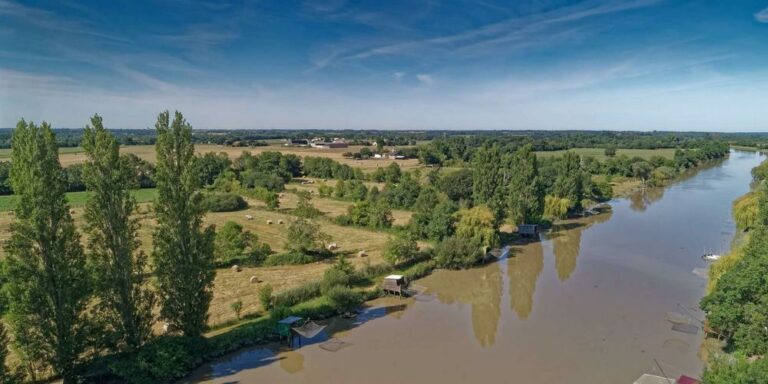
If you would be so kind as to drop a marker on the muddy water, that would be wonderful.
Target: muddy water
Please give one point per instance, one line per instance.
(585, 304)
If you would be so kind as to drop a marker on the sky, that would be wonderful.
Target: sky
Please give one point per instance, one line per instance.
(336, 64)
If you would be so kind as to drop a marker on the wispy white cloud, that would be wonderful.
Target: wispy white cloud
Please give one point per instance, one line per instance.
(762, 16)
(52, 22)
(425, 78)
(536, 27)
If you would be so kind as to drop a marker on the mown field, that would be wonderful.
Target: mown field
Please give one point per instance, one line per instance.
(230, 286)
(75, 155)
(599, 153)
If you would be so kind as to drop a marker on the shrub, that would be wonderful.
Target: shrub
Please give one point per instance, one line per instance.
(237, 307)
(289, 258)
(369, 271)
(400, 249)
(333, 278)
(419, 270)
(265, 297)
(455, 253)
(340, 273)
(163, 359)
(223, 202)
(297, 295)
(304, 207)
(344, 299)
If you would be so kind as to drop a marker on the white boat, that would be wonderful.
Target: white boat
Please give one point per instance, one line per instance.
(711, 256)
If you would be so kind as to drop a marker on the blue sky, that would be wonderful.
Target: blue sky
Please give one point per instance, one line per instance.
(462, 64)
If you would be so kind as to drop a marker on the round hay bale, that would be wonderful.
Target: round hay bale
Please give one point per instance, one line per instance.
(280, 221)
(71, 211)
(236, 268)
(362, 254)
(254, 280)
(269, 222)
(248, 217)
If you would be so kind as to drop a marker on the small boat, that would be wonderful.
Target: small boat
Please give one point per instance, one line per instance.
(711, 257)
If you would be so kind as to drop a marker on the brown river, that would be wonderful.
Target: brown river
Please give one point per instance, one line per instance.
(588, 303)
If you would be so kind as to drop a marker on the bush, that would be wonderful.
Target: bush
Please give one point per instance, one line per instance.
(400, 249)
(340, 274)
(419, 270)
(297, 295)
(344, 299)
(265, 297)
(289, 258)
(163, 359)
(223, 202)
(455, 253)
(333, 278)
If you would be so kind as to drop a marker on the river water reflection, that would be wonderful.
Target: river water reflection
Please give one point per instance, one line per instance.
(585, 304)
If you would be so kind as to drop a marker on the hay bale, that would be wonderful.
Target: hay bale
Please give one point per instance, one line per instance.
(254, 280)
(333, 246)
(280, 221)
(269, 222)
(236, 268)
(362, 254)
(71, 211)
(248, 217)
(166, 327)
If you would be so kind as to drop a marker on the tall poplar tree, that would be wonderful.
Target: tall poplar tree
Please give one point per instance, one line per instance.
(47, 283)
(569, 182)
(525, 196)
(125, 305)
(183, 252)
(488, 179)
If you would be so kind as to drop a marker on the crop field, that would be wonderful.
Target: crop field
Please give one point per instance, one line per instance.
(75, 155)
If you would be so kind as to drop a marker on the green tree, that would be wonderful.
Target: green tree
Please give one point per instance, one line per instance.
(400, 249)
(47, 283)
(125, 303)
(183, 253)
(488, 179)
(304, 236)
(304, 207)
(642, 170)
(478, 226)
(6, 376)
(525, 196)
(610, 150)
(569, 181)
(234, 244)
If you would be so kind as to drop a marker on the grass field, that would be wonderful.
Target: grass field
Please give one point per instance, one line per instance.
(599, 153)
(230, 286)
(78, 199)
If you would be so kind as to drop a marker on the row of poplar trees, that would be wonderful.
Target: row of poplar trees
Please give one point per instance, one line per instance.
(67, 301)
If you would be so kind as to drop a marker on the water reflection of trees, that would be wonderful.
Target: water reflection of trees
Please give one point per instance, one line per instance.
(523, 268)
(641, 200)
(480, 288)
(566, 242)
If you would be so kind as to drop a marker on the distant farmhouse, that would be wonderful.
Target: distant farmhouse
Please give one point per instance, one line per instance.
(335, 143)
(297, 143)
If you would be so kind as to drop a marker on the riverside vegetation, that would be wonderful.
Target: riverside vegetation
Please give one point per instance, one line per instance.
(737, 302)
(87, 304)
